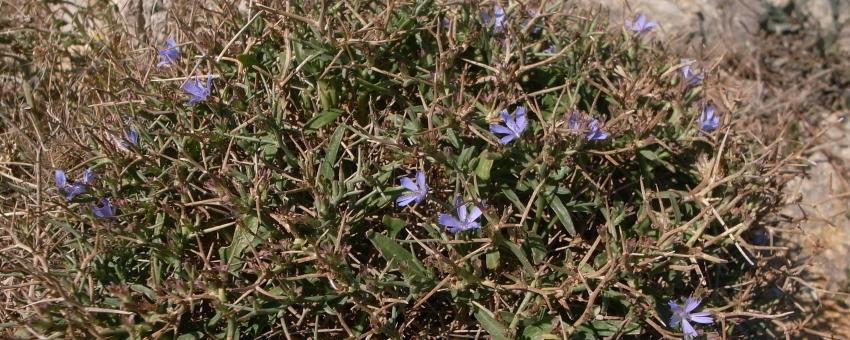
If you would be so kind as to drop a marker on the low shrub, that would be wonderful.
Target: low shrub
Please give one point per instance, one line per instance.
(580, 182)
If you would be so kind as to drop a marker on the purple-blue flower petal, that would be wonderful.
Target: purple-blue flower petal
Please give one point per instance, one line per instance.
(708, 120)
(470, 226)
(688, 329)
(508, 120)
(595, 133)
(573, 122)
(474, 214)
(88, 177)
(408, 184)
(507, 139)
(133, 136)
(691, 303)
(103, 209)
(640, 24)
(404, 200)
(59, 176)
(448, 221)
(520, 120)
(169, 54)
(499, 129)
(690, 77)
(462, 213)
(196, 90)
(499, 14)
(702, 317)
(421, 182)
(675, 319)
(74, 190)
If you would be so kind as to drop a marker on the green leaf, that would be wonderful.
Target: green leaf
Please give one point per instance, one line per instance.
(394, 225)
(409, 265)
(191, 336)
(512, 196)
(495, 328)
(606, 328)
(563, 215)
(538, 328)
(327, 169)
(243, 236)
(516, 250)
(484, 166)
(492, 259)
(465, 157)
(248, 60)
(322, 119)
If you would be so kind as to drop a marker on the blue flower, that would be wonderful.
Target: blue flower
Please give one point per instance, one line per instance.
(103, 209)
(690, 77)
(75, 189)
(708, 121)
(131, 137)
(574, 122)
(196, 90)
(514, 125)
(594, 132)
(640, 25)
(418, 191)
(498, 19)
(589, 126)
(682, 314)
(550, 49)
(169, 54)
(465, 220)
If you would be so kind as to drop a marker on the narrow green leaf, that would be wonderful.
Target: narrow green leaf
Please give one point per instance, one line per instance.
(516, 250)
(322, 119)
(242, 238)
(409, 265)
(563, 215)
(496, 329)
(331, 152)
(512, 196)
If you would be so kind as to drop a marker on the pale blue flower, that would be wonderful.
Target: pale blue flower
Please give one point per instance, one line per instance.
(72, 190)
(103, 209)
(690, 77)
(590, 127)
(640, 25)
(708, 121)
(169, 54)
(131, 138)
(682, 315)
(497, 20)
(515, 124)
(197, 91)
(418, 190)
(465, 220)
(594, 132)
(574, 122)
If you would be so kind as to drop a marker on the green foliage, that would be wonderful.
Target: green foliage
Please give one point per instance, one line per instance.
(268, 210)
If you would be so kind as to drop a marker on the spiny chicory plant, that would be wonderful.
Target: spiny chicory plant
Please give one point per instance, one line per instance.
(278, 210)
